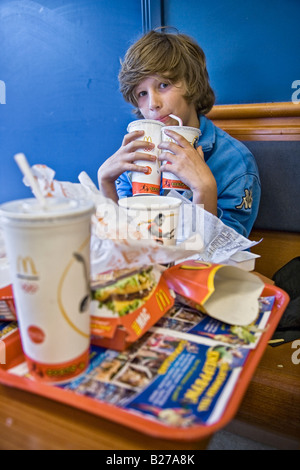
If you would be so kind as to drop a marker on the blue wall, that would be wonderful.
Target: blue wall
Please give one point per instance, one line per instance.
(252, 46)
(59, 61)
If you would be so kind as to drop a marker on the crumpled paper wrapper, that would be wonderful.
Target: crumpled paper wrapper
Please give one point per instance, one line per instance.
(115, 244)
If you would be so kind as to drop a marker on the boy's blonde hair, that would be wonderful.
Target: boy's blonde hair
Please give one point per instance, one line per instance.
(173, 56)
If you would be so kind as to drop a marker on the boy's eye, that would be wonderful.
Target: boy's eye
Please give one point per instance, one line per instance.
(141, 93)
(163, 85)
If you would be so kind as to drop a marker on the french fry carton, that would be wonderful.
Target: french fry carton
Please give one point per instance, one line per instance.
(224, 292)
(125, 305)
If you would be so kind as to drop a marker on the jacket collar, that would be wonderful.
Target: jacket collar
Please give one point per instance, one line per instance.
(208, 134)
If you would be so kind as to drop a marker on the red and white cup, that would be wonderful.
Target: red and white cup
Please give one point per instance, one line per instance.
(191, 134)
(147, 183)
(154, 217)
(49, 256)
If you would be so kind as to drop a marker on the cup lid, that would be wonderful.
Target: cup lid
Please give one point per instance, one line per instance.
(139, 122)
(188, 128)
(56, 208)
(149, 202)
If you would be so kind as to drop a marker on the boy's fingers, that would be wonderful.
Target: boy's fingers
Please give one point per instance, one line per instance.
(142, 169)
(171, 146)
(138, 146)
(167, 156)
(177, 137)
(143, 156)
(200, 151)
(132, 136)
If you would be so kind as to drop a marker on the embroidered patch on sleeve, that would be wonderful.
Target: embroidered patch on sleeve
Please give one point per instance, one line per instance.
(246, 200)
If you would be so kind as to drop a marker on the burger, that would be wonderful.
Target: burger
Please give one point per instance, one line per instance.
(123, 294)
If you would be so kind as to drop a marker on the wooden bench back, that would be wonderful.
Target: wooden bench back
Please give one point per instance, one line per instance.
(272, 133)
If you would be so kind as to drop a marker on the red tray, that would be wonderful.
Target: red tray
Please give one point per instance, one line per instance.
(139, 422)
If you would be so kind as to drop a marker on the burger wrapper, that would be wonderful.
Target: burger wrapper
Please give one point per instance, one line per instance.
(119, 332)
(224, 292)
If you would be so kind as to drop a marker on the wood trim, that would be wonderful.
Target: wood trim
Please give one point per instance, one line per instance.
(255, 110)
(259, 121)
(275, 249)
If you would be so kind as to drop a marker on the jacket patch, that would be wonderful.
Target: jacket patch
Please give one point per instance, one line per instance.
(247, 200)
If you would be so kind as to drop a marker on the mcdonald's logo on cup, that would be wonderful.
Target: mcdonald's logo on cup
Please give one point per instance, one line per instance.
(162, 299)
(27, 274)
(26, 268)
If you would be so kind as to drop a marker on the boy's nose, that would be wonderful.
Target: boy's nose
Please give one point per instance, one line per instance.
(154, 101)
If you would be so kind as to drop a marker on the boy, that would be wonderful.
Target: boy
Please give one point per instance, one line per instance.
(162, 74)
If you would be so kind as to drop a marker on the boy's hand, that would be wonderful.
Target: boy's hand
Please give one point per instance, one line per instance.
(123, 160)
(188, 164)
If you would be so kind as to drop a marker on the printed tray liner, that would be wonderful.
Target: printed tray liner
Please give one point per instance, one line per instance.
(148, 409)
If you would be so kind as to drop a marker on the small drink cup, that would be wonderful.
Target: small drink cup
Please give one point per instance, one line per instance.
(155, 217)
(49, 256)
(147, 183)
(169, 180)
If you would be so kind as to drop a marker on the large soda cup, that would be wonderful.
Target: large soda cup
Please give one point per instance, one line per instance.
(147, 183)
(169, 180)
(49, 256)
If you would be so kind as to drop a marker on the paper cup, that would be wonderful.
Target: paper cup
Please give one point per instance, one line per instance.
(147, 183)
(155, 217)
(191, 134)
(49, 257)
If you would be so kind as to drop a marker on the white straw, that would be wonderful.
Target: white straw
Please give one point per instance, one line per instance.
(176, 119)
(26, 170)
(86, 180)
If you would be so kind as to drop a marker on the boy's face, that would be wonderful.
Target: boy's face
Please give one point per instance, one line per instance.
(156, 99)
